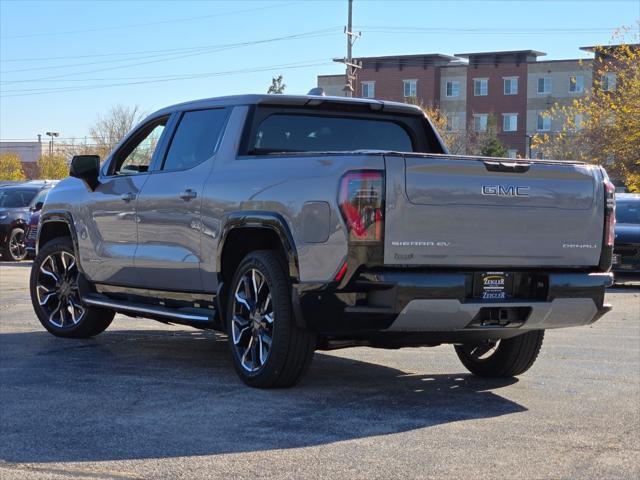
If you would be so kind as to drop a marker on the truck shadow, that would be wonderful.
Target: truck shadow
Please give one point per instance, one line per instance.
(156, 394)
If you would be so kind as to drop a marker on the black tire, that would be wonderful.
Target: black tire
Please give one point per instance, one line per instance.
(71, 322)
(15, 250)
(511, 357)
(290, 349)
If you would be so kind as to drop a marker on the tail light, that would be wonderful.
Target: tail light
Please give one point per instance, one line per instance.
(610, 212)
(361, 201)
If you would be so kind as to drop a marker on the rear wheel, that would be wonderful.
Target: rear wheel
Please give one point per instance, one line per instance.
(504, 358)
(55, 296)
(15, 249)
(268, 349)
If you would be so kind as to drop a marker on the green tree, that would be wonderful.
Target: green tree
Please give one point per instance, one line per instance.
(53, 167)
(11, 167)
(487, 143)
(493, 147)
(276, 85)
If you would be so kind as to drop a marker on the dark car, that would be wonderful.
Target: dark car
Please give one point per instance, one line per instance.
(626, 253)
(17, 203)
(31, 234)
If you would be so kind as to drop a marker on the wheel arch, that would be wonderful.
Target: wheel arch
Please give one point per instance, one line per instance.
(56, 224)
(244, 232)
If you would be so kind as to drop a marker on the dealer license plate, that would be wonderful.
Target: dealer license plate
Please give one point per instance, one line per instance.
(493, 285)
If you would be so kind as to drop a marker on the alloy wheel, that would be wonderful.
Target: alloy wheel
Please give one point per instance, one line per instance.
(57, 290)
(252, 321)
(17, 247)
(482, 351)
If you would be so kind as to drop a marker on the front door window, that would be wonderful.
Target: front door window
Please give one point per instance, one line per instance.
(135, 156)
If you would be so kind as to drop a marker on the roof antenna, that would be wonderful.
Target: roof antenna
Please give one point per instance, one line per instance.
(319, 91)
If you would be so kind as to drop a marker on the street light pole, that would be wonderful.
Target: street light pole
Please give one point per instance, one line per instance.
(52, 135)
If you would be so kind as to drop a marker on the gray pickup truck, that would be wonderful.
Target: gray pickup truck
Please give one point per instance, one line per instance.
(297, 223)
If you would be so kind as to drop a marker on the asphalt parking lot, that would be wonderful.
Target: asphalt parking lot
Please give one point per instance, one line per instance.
(145, 400)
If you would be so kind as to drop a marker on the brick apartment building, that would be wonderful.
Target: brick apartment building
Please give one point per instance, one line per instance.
(512, 88)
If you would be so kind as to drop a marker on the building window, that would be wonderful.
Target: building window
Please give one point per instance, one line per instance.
(480, 87)
(512, 153)
(480, 122)
(368, 89)
(453, 123)
(453, 88)
(544, 85)
(544, 122)
(510, 85)
(577, 121)
(576, 84)
(509, 122)
(608, 82)
(410, 88)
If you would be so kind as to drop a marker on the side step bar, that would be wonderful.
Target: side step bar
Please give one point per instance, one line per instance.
(186, 316)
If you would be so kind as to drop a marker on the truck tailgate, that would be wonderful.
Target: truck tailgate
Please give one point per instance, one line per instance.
(463, 211)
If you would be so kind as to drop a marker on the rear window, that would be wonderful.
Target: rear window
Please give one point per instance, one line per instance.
(316, 133)
(628, 212)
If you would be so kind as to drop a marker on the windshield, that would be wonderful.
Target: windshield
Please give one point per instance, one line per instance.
(16, 198)
(628, 212)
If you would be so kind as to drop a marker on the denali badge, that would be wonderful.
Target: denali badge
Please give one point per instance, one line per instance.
(505, 191)
(579, 245)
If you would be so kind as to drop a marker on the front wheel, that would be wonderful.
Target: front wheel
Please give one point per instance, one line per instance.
(55, 295)
(15, 249)
(504, 358)
(268, 349)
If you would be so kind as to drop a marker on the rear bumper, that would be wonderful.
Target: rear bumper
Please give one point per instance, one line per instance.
(395, 301)
(626, 259)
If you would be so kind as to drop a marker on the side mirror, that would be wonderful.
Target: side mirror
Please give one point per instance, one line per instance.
(37, 207)
(86, 168)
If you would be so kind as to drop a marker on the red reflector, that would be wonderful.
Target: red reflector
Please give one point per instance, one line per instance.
(341, 272)
(361, 203)
(610, 213)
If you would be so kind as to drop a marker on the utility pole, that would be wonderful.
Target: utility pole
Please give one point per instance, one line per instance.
(352, 67)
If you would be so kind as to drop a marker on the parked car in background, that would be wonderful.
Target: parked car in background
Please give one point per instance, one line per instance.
(31, 234)
(626, 252)
(17, 203)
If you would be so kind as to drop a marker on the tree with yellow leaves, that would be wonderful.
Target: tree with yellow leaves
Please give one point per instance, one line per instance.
(603, 127)
(11, 167)
(53, 167)
(454, 140)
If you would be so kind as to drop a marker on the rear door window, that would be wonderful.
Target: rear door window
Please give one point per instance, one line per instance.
(318, 133)
(196, 138)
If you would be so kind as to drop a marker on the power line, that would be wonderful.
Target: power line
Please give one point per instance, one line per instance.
(480, 31)
(148, 24)
(24, 93)
(178, 55)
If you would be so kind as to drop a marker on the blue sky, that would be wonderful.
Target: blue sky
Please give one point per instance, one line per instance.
(63, 63)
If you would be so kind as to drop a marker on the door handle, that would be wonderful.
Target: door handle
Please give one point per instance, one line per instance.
(127, 197)
(188, 194)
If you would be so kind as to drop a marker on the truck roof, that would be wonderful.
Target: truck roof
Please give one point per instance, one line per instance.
(291, 100)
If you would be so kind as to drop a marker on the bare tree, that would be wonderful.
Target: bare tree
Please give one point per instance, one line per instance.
(277, 85)
(112, 127)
